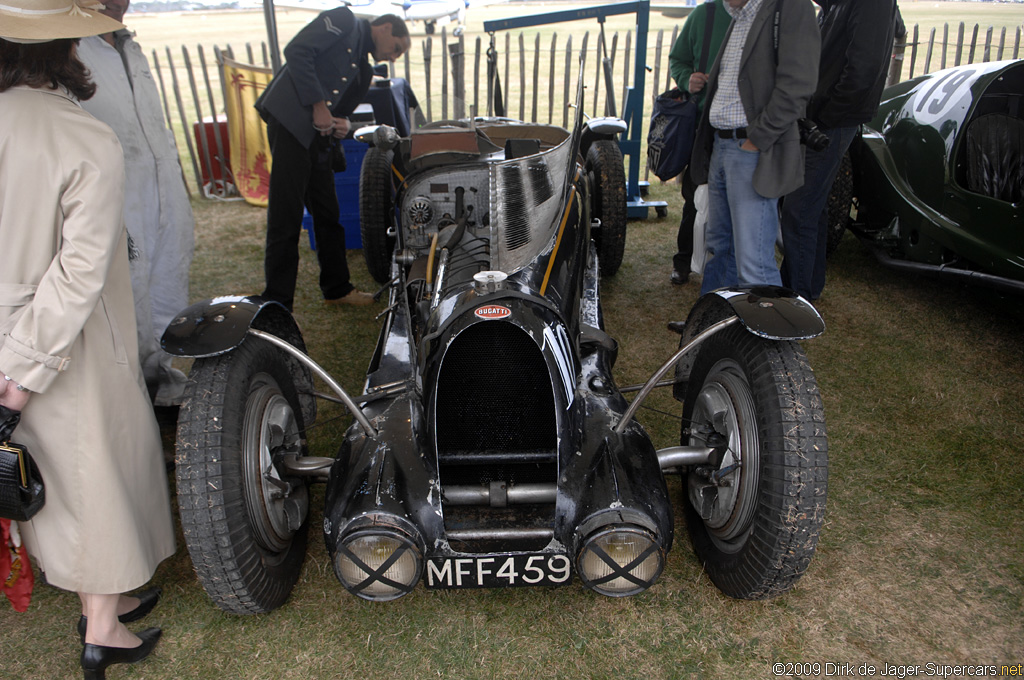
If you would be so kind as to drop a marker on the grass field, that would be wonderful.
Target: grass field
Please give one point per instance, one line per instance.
(919, 562)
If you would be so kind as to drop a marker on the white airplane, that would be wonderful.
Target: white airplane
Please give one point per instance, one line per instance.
(432, 13)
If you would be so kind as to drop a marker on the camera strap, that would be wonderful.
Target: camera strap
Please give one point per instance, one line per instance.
(775, 30)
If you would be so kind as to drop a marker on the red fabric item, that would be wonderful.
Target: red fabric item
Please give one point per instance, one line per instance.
(15, 570)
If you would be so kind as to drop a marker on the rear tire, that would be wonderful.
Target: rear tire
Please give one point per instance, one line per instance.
(755, 533)
(246, 538)
(376, 207)
(608, 182)
(839, 201)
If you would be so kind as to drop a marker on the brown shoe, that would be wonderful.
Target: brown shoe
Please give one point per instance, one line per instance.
(355, 297)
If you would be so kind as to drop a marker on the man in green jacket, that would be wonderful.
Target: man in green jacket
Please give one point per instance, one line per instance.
(685, 66)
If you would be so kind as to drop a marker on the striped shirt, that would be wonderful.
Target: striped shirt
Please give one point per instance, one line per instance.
(727, 109)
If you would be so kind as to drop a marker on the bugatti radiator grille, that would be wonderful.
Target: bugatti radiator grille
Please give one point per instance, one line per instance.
(495, 425)
(495, 413)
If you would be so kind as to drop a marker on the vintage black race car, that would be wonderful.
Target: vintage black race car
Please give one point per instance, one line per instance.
(938, 177)
(491, 446)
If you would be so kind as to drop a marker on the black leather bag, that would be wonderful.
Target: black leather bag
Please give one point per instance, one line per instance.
(21, 487)
(674, 118)
(671, 132)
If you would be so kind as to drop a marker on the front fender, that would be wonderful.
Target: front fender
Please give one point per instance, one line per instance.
(218, 325)
(770, 312)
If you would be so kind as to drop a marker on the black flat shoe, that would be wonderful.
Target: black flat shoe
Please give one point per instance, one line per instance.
(96, 658)
(147, 600)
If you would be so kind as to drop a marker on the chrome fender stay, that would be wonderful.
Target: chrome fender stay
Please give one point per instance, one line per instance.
(652, 383)
(324, 375)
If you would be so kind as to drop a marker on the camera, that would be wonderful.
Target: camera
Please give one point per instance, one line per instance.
(810, 136)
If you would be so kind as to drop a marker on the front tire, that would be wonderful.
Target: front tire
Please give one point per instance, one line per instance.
(754, 516)
(608, 183)
(244, 521)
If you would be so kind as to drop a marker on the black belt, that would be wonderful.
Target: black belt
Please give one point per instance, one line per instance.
(738, 133)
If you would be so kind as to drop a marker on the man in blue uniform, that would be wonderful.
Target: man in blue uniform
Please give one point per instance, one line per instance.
(306, 108)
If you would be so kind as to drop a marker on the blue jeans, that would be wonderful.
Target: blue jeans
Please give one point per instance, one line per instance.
(805, 217)
(742, 224)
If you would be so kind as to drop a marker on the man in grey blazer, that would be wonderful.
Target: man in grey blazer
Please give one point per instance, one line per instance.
(748, 144)
(306, 107)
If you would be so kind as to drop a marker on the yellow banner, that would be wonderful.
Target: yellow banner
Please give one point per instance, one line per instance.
(247, 133)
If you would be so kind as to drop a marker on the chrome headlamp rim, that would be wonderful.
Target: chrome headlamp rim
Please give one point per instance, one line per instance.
(617, 570)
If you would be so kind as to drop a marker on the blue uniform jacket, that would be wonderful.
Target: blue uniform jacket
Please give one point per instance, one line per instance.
(326, 61)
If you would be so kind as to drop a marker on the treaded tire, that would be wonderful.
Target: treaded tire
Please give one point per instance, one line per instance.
(376, 206)
(608, 183)
(763, 529)
(839, 200)
(220, 488)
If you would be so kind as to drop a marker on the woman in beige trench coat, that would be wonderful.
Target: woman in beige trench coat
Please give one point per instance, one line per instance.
(67, 336)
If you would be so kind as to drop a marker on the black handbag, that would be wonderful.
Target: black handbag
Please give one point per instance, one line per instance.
(21, 487)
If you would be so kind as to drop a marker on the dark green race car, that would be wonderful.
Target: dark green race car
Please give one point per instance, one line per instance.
(938, 177)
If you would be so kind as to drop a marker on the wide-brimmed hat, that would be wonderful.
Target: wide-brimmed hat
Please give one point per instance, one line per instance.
(30, 21)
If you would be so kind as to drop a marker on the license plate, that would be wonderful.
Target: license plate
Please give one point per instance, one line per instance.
(498, 571)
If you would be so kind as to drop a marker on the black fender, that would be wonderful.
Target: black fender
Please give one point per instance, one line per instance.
(600, 128)
(770, 312)
(218, 325)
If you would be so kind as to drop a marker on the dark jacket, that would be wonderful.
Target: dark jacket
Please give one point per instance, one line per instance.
(328, 60)
(856, 45)
(774, 95)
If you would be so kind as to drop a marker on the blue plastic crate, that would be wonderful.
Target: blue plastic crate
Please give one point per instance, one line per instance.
(346, 185)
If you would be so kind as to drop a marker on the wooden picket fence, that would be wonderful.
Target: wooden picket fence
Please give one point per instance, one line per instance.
(449, 75)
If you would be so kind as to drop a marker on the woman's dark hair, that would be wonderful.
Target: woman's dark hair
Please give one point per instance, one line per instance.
(49, 64)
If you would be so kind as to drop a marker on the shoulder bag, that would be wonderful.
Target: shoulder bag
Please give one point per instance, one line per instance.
(674, 120)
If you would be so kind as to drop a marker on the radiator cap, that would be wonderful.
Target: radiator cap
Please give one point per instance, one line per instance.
(489, 281)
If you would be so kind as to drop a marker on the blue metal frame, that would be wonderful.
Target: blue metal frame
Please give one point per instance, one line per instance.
(633, 108)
